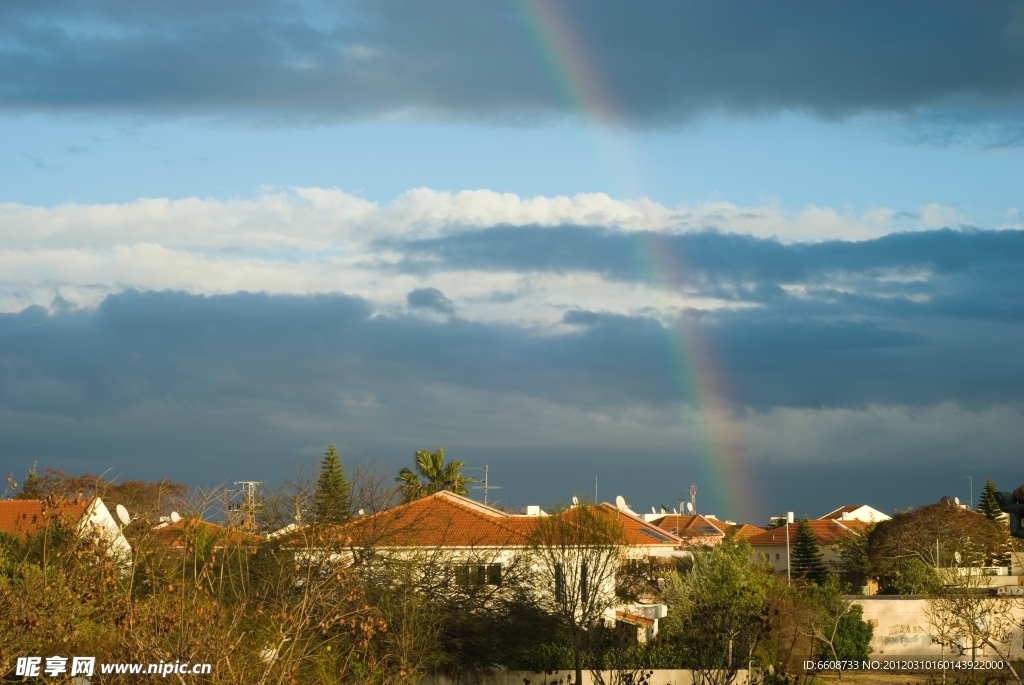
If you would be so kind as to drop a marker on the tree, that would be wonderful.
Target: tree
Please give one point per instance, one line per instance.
(332, 502)
(719, 610)
(436, 474)
(967, 617)
(806, 556)
(838, 625)
(987, 504)
(936, 534)
(578, 553)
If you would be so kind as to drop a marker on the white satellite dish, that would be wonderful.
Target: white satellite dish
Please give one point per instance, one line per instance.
(575, 500)
(652, 511)
(956, 501)
(122, 514)
(362, 512)
(674, 510)
(620, 502)
(956, 555)
(175, 517)
(689, 507)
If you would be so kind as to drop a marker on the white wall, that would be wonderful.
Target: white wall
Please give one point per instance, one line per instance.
(903, 629)
(658, 677)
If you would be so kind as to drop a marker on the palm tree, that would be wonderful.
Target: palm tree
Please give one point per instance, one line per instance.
(437, 474)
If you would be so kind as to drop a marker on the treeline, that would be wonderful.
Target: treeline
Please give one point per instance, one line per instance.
(278, 593)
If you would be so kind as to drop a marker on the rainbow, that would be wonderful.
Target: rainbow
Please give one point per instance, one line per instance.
(575, 74)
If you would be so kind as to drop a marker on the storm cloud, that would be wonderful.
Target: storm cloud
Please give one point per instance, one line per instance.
(653, 63)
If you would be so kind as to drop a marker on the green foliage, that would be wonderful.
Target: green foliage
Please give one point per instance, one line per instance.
(987, 504)
(718, 609)
(837, 624)
(436, 475)
(853, 637)
(805, 556)
(913, 577)
(545, 656)
(332, 503)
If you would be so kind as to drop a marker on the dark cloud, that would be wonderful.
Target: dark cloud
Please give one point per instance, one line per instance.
(966, 273)
(169, 383)
(431, 299)
(656, 62)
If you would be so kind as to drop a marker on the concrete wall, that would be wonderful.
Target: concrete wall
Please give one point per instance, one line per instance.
(658, 677)
(901, 629)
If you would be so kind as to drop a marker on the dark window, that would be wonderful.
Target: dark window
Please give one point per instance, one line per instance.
(583, 584)
(478, 574)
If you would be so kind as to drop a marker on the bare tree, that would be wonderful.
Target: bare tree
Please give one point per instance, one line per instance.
(578, 552)
(968, 616)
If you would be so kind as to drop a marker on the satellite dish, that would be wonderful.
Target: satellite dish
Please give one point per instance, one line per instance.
(956, 555)
(652, 511)
(122, 514)
(575, 500)
(175, 517)
(689, 507)
(620, 502)
(956, 501)
(362, 512)
(674, 510)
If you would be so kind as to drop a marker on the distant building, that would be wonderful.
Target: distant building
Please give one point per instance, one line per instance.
(856, 512)
(694, 529)
(771, 544)
(24, 517)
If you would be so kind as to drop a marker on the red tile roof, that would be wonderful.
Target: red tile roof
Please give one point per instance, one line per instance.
(827, 532)
(22, 517)
(690, 526)
(448, 520)
(743, 530)
(838, 513)
(440, 520)
(187, 530)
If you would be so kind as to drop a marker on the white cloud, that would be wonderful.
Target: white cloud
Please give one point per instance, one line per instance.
(308, 240)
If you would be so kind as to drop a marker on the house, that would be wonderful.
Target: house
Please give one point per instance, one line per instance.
(461, 542)
(742, 530)
(772, 546)
(184, 532)
(856, 512)
(695, 530)
(24, 517)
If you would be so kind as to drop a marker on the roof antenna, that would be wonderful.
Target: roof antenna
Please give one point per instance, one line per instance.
(486, 486)
(693, 500)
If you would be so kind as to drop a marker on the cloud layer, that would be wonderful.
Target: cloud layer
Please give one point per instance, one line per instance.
(654, 63)
(566, 330)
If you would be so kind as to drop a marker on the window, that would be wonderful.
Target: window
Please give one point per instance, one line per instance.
(478, 574)
(583, 584)
(559, 583)
(776, 557)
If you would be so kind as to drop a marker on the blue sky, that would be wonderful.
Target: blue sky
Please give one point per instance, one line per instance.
(755, 249)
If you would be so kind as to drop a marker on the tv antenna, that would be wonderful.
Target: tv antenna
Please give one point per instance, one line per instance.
(693, 500)
(486, 486)
(249, 490)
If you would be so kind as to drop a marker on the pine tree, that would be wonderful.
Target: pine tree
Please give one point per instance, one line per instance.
(987, 503)
(332, 503)
(805, 557)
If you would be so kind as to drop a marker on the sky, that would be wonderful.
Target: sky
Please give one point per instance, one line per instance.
(773, 251)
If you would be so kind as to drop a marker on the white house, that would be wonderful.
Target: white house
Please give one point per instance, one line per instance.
(23, 517)
(479, 544)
